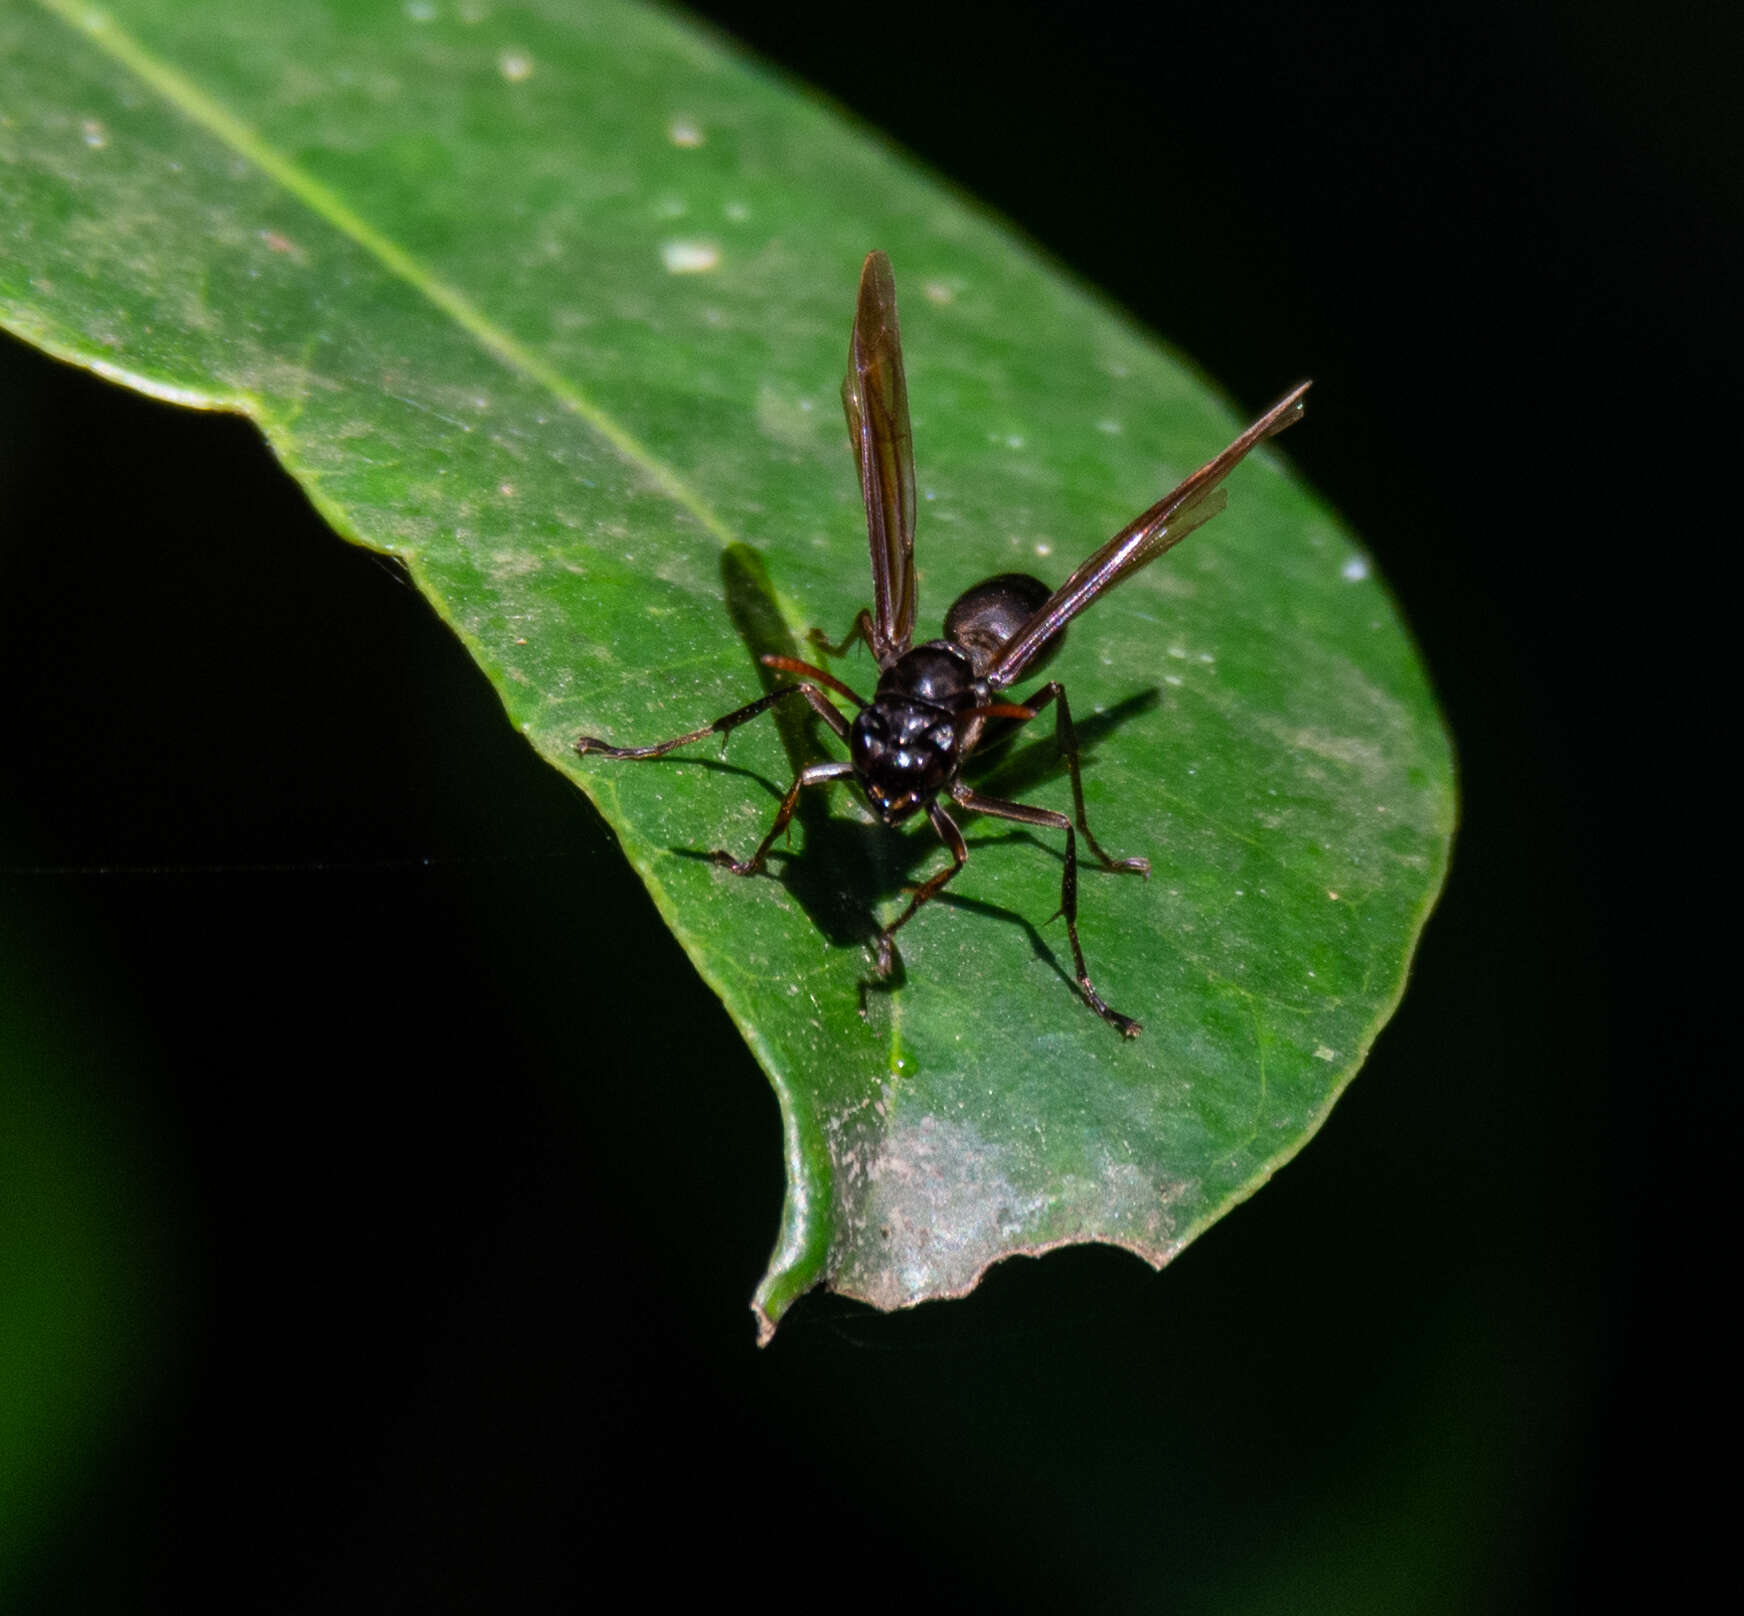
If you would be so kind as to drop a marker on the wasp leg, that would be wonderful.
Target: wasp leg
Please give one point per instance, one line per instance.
(953, 839)
(821, 705)
(813, 774)
(862, 630)
(815, 675)
(1067, 738)
(1050, 819)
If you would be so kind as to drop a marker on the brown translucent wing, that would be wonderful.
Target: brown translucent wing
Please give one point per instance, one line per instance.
(1141, 541)
(875, 397)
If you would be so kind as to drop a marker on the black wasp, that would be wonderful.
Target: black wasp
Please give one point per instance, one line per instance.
(934, 701)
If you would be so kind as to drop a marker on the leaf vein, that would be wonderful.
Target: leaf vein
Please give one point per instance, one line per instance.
(192, 102)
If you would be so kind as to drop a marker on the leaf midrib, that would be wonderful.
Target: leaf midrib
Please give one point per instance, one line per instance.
(199, 108)
(202, 109)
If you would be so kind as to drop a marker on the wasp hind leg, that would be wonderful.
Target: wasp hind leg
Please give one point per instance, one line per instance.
(1066, 736)
(1049, 819)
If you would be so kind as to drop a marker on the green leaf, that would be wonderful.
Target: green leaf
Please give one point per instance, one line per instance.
(552, 303)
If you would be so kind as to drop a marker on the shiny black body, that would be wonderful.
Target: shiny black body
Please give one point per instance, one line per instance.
(908, 744)
(909, 741)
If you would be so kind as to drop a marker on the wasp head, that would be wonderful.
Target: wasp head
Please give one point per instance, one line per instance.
(904, 755)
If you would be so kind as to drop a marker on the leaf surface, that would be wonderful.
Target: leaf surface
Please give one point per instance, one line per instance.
(552, 303)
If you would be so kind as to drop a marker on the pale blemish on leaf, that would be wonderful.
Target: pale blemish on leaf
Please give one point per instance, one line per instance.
(931, 1203)
(689, 257)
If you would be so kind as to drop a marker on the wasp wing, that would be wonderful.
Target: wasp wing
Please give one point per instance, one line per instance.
(1141, 541)
(875, 398)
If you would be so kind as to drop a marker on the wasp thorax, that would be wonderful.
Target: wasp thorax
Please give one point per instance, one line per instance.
(936, 674)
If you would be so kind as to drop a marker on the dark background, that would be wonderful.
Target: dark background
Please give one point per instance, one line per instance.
(444, 1196)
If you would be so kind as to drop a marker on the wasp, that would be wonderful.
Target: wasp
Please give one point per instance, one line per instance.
(934, 702)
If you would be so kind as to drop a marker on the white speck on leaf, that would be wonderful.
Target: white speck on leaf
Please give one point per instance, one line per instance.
(1355, 569)
(95, 135)
(689, 257)
(685, 132)
(515, 65)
